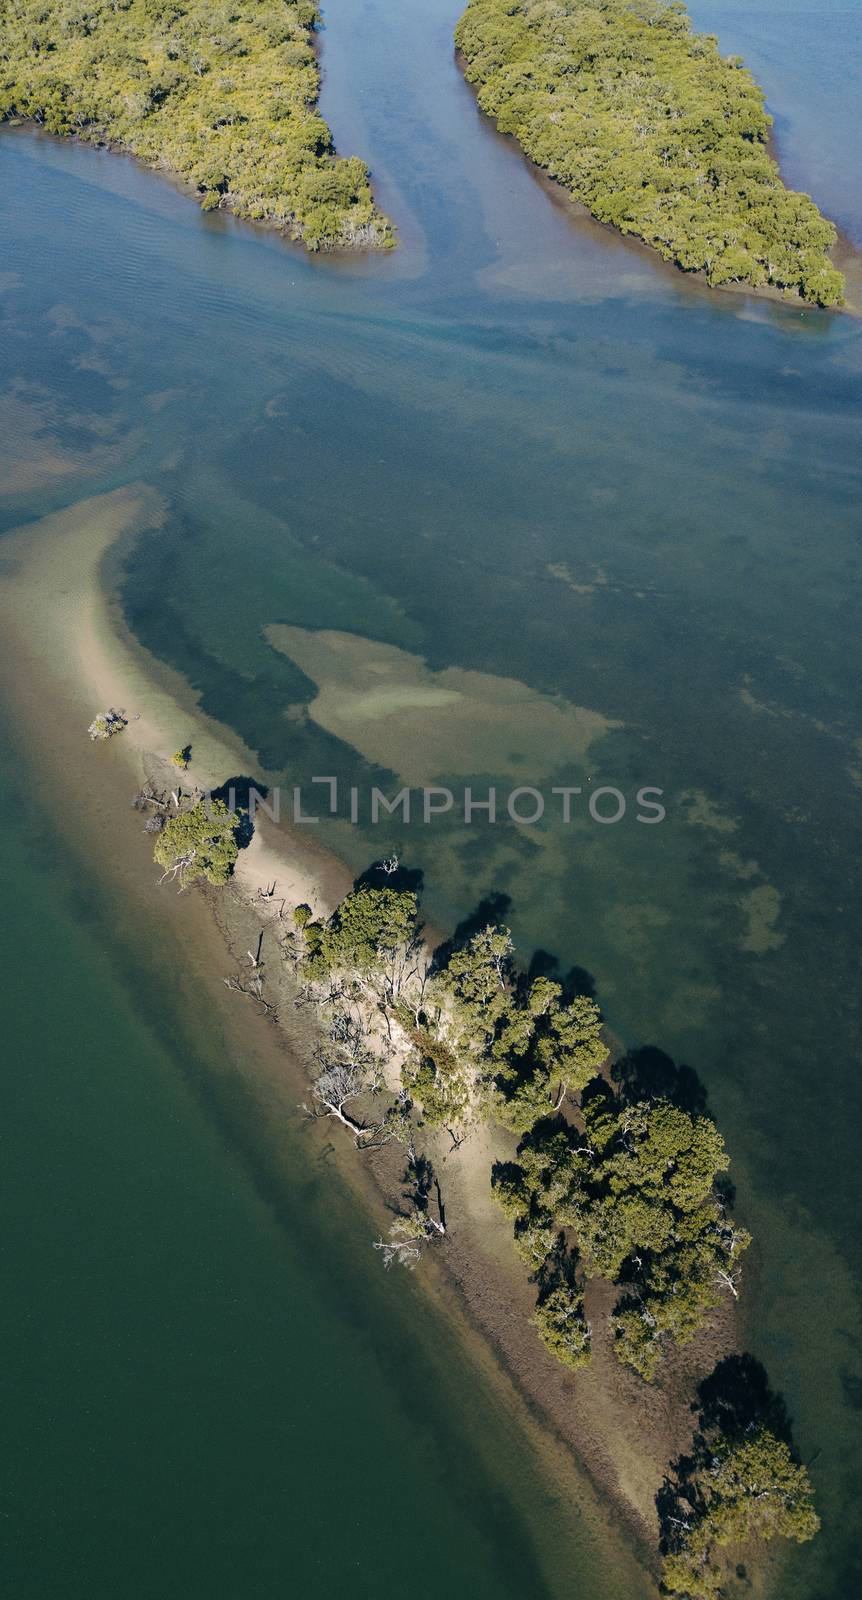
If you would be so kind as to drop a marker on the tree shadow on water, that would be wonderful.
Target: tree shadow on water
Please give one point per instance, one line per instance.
(735, 1399)
(385, 875)
(649, 1074)
(577, 981)
(543, 964)
(235, 793)
(489, 911)
(737, 1396)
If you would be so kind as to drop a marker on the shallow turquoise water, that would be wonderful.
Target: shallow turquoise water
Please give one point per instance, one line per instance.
(521, 447)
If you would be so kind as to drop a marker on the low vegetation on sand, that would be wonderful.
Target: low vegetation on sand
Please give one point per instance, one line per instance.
(655, 132)
(608, 1183)
(223, 95)
(107, 724)
(612, 1178)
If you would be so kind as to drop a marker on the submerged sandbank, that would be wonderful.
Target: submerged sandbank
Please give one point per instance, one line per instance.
(69, 655)
(52, 600)
(73, 655)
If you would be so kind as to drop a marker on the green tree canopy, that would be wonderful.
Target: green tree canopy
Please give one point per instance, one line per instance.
(226, 96)
(200, 843)
(433, 1075)
(520, 1045)
(745, 1488)
(476, 984)
(655, 132)
(544, 1047)
(635, 1192)
(562, 1324)
(366, 932)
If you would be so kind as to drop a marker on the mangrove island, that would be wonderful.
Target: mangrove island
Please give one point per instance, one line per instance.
(653, 131)
(225, 97)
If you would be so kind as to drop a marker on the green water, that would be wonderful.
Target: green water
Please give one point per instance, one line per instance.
(205, 1390)
(521, 448)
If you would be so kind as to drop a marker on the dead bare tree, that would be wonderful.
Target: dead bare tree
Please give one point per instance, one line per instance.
(733, 1239)
(149, 797)
(729, 1280)
(349, 1067)
(422, 1179)
(413, 985)
(407, 1237)
(177, 868)
(252, 987)
(349, 1033)
(404, 1245)
(337, 1084)
(264, 896)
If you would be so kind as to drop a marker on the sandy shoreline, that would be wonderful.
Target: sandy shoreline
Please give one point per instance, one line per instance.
(52, 593)
(604, 1422)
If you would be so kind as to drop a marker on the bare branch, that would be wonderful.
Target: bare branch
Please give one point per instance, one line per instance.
(253, 989)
